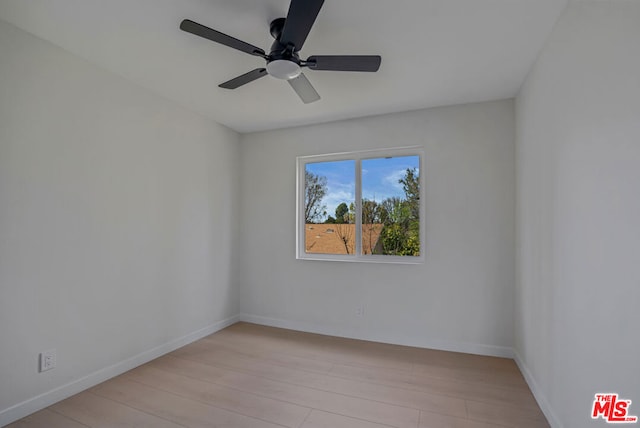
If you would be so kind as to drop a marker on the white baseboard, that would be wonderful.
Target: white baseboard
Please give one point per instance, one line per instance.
(544, 404)
(418, 342)
(48, 398)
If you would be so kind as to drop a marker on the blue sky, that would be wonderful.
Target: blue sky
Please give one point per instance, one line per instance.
(379, 179)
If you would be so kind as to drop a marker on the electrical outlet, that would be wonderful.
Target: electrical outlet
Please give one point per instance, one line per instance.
(47, 360)
(360, 310)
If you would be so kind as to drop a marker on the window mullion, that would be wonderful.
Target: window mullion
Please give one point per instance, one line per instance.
(358, 219)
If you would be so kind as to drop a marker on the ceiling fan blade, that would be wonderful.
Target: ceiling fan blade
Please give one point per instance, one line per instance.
(211, 34)
(300, 18)
(244, 79)
(304, 89)
(344, 62)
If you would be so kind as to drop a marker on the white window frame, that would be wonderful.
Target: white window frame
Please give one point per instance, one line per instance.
(358, 157)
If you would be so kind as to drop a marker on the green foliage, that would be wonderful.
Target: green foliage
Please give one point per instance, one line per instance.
(398, 240)
(341, 213)
(411, 186)
(401, 218)
(351, 216)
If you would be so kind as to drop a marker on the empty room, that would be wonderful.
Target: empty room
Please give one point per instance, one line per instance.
(308, 213)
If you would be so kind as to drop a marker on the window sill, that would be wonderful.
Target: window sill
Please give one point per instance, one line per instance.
(399, 260)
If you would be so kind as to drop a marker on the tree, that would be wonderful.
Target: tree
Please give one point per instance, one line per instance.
(390, 210)
(341, 213)
(315, 189)
(344, 230)
(411, 186)
(370, 225)
(351, 215)
(401, 234)
(370, 212)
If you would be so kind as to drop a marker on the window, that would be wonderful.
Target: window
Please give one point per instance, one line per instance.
(363, 206)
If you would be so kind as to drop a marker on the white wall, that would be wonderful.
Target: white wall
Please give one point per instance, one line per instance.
(461, 298)
(578, 162)
(117, 228)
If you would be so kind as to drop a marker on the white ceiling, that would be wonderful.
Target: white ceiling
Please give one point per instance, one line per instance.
(434, 52)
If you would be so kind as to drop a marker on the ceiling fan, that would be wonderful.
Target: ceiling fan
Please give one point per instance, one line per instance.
(283, 61)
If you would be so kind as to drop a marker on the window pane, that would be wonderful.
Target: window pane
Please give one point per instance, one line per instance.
(329, 210)
(391, 206)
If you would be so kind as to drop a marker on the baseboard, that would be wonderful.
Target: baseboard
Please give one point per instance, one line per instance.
(418, 342)
(48, 398)
(544, 404)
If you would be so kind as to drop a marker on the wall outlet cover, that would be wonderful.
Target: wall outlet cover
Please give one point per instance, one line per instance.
(47, 360)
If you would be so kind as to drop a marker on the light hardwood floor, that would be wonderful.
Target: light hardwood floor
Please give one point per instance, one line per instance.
(251, 376)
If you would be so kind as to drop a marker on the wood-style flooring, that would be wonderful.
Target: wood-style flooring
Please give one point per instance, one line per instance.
(251, 376)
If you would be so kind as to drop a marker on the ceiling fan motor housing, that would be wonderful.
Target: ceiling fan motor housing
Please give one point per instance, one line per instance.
(283, 61)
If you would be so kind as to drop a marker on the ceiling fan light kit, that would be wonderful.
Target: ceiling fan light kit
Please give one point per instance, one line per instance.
(283, 69)
(283, 60)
